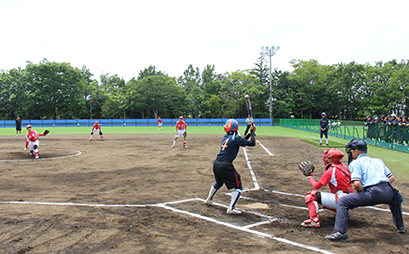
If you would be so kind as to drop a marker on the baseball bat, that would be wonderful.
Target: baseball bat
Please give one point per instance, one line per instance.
(248, 104)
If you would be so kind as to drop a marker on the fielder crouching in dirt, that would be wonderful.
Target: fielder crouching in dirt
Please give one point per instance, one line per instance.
(96, 128)
(338, 178)
(223, 169)
(372, 182)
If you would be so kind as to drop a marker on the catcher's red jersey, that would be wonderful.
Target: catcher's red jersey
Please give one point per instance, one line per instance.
(33, 136)
(336, 178)
(181, 125)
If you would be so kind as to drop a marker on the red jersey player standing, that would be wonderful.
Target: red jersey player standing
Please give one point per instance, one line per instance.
(96, 127)
(32, 139)
(180, 130)
(160, 123)
(338, 177)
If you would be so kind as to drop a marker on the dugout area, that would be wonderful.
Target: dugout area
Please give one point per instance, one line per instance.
(132, 193)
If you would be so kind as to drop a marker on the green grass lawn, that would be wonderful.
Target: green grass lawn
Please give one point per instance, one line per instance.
(396, 161)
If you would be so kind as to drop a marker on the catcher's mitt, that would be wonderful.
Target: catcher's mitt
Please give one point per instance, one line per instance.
(46, 132)
(185, 134)
(306, 167)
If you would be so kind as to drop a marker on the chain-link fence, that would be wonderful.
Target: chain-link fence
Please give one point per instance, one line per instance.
(378, 134)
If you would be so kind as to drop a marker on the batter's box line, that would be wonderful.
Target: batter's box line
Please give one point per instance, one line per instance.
(244, 229)
(166, 206)
(299, 195)
(265, 149)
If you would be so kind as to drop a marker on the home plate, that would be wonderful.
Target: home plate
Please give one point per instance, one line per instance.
(255, 206)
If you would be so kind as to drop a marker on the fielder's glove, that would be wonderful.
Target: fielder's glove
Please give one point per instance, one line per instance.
(306, 167)
(46, 132)
(185, 134)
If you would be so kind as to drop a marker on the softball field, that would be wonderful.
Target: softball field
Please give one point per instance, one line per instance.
(133, 193)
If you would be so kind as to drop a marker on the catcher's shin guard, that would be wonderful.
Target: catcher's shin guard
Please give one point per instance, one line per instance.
(311, 201)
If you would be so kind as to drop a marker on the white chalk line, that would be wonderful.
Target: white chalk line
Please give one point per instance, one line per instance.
(244, 229)
(165, 205)
(269, 153)
(51, 158)
(253, 175)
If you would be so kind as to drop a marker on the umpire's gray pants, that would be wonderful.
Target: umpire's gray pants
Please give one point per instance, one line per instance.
(378, 194)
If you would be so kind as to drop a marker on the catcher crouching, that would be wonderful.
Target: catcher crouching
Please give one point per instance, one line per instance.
(32, 139)
(336, 175)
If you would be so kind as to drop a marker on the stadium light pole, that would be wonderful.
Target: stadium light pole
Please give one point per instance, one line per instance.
(270, 52)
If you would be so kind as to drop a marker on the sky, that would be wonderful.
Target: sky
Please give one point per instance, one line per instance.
(124, 37)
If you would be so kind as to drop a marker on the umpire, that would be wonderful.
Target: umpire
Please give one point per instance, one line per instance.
(372, 181)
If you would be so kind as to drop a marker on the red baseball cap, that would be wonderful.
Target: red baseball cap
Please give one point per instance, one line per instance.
(180, 117)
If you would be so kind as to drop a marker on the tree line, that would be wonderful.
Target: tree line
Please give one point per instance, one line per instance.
(52, 90)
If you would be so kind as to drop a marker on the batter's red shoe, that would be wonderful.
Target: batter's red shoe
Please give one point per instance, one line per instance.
(310, 224)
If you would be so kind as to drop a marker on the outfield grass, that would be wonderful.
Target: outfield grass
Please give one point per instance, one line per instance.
(396, 161)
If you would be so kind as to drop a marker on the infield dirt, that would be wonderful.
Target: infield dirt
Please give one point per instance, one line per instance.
(133, 193)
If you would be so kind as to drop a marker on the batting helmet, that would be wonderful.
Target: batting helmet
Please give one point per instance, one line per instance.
(28, 126)
(356, 145)
(231, 125)
(334, 154)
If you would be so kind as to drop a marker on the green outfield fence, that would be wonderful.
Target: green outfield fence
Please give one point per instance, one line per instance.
(381, 135)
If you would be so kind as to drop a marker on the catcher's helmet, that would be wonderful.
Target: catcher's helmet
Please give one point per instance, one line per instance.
(28, 126)
(231, 125)
(334, 154)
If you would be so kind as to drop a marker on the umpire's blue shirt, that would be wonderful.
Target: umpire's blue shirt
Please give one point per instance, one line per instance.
(369, 171)
(230, 148)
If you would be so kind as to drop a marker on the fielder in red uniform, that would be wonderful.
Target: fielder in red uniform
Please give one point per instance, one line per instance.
(338, 177)
(160, 123)
(32, 139)
(180, 130)
(96, 127)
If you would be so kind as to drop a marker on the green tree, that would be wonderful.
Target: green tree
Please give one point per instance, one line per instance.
(150, 71)
(157, 96)
(261, 88)
(312, 76)
(50, 88)
(190, 83)
(115, 91)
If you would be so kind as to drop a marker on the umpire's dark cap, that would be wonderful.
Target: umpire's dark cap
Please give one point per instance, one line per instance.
(354, 144)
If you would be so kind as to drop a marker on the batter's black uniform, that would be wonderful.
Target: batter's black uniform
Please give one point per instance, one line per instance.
(223, 169)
